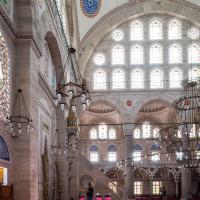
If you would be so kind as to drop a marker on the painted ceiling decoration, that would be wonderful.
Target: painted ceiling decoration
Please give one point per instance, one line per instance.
(90, 7)
(4, 153)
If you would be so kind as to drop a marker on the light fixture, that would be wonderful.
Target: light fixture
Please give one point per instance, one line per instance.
(182, 135)
(75, 88)
(19, 118)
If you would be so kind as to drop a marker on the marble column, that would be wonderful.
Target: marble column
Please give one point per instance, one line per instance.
(129, 178)
(185, 182)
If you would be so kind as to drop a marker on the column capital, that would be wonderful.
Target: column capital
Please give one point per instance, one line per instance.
(128, 129)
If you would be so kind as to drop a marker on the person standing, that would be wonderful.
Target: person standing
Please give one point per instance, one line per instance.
(90, 192)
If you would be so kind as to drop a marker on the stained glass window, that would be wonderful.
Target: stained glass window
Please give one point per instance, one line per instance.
(156, 132)
(117, 35)
(156, 54)
(99, 80)
(194, 74)
(103, 131)
(137, 54)
(93, 134)
(155, 30)
(137, 79)
(118, 55)
(175, 78)
(194, 53)
(137, 32)
(175, 30)
(193, 33)
(156, 79)
(137, 133)
(4, 78)
(118, 79)
(112, 134)
(175, 54)
(99, 59)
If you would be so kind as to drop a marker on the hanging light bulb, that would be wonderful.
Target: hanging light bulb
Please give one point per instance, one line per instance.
(62, 106)
(19, 124)
(84, 106)
(70, 93)
(56, 101)
(59, 96)
(88, 101)
(83, 97)
(73, 108)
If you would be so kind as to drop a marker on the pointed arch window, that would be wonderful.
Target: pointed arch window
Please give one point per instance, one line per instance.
(118, 55)
(112, 153)
(118, 79)
(194, 53)
(175, 54)
(137, 31)
(174, 30)
(137, 55)
(4, 78)
(156, 54)
(137, 152)
(156, 79)
(146, 129)
(156, 30)
(175, 78)
(194, 74)
(137, 79)
(99, 80)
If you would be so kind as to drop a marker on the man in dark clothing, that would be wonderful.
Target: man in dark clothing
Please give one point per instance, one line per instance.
(89, 192)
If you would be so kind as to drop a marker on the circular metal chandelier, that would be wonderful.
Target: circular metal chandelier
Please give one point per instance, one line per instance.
(73, 90)
(181, 138)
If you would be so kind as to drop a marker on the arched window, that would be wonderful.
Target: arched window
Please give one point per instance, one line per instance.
(137, 54)
(137, 79)
(112, 134)
(99, 80)
(118, 55)
(137, 152)
(103, 131)
(155, 154)
(137, 133)
(174, 30)
(156, 79)
(156, 132)
(194, 53)
(112, 153)
(137, 32)
(155, 30)
(94, 153)
(118, 79)
(175, 54)
(175, 78)
(93, 134)
(156, 54)
(146, 130)
(194, 74)
(4, 78)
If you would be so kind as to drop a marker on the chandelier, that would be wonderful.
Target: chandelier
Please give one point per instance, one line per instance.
(182, 137)
(74, 89)
(20, 119)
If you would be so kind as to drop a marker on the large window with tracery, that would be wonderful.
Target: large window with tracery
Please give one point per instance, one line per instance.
(150, 52)
(4, 78)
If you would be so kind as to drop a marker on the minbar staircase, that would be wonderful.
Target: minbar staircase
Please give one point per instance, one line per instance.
(93, 171)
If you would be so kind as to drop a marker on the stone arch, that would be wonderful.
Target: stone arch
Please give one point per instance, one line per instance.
(55, 54)
(129, 11)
